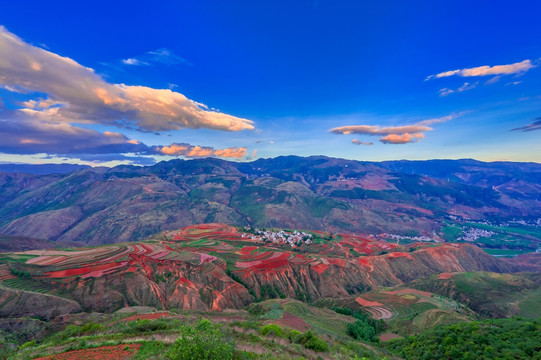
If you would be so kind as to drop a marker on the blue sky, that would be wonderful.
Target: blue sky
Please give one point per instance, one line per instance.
(244, 79)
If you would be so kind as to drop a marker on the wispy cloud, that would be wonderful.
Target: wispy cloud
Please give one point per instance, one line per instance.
(162, 56)
(516, 68)
(467, 86)
(359, 142)
(535, 125)
(394, 134)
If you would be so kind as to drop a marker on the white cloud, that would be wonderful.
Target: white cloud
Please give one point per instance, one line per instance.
(358, 142)
(393, 134)
(86, 98)
(516, 68)
(133, 61)
(465, 87)
(162, 56)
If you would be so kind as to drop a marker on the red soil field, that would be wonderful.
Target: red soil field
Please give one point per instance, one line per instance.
(394, 255)
(293, 322)
(364, 302)
(84, 270)
(320, 268)
(445, 276)
(145, 316)
(389, 336)
(118, 352)
(247, 250)
(339, 262)
(268, 265)
(409, 291)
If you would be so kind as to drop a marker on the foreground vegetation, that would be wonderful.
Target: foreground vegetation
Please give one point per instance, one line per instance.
(191, 335)
(514, 338)
(177, 337)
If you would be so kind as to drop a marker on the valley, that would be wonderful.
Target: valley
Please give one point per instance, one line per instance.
(254, 286)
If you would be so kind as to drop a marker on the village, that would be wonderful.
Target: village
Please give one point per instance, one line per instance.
(293, 239)
(388, 237)
(472, 234)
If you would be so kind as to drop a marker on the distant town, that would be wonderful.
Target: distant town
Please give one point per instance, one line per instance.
(293, 239)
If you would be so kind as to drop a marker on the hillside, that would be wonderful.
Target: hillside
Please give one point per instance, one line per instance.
(489, 294)
(127, 203)
(246, 293)
(215, 267)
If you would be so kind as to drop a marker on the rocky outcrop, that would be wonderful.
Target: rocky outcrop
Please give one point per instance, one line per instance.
(166, 284)
(363, 274)
(17, 303)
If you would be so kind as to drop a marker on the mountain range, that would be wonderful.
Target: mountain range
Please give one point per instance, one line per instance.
(128, 203)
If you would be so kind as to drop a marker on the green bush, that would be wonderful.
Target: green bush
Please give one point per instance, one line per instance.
(204, 341)
(272, 329)
(256, 310)
(361, 330)
(294, 336)
(144, 326)
(312, 342)
(151, 350)
(513, 338)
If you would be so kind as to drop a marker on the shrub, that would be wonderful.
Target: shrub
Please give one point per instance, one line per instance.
(312, 342)
(145, 326)
(360, 330)
(256, 310)
(294, 336)
(272, 329)
(204, 341)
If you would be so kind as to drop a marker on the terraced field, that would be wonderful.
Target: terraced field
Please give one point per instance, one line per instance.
(405, 309)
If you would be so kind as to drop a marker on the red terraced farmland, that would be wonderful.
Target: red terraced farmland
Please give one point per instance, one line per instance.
(248, 249)
(409, 291)
(271, 264)
(206, 258)
(293, 322)
(145, 317)
(84, 270)
(118, 352)
(320, 268)
(364, 302)
(394, 255)
(339, 262)
(445, 276)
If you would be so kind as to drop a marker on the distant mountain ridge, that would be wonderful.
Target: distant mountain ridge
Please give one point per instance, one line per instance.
(128, 203)
(41, 169)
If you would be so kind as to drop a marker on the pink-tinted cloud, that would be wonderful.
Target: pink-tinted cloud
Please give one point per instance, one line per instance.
(83, 97)
(358, 142)
(376, 130)
(401, 139)
(188, 150)
(516, 68)
(393, 134)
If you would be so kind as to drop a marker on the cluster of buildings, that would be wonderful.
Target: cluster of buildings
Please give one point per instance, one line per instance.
(472, 234)
(294, 238)
(397, 237)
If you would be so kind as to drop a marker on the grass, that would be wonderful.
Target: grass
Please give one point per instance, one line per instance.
(507, 229)
(157, 338)
(451, 232)
(27, 285)
(505, 252)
